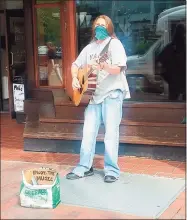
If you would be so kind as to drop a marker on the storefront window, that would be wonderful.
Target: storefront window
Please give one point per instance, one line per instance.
(144, 28)
(49, 46)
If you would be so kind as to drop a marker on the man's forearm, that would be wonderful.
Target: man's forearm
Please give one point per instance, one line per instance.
(74, 71)
(112, 69)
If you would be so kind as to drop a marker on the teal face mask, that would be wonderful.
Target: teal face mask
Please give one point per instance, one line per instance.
(101, 33)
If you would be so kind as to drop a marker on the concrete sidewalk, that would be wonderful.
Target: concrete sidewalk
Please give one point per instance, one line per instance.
(14, 160)
(11, 209)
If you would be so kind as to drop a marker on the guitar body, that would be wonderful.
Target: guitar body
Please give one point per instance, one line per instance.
(78, 93)
(82, 76)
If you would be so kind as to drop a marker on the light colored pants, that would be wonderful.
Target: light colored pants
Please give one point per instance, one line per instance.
(110, 112)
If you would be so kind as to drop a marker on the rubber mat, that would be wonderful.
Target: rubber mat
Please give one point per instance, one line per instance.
(133, 194)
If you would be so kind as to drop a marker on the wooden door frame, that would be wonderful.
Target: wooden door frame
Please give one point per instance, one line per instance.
(70, 35)
(68, 40)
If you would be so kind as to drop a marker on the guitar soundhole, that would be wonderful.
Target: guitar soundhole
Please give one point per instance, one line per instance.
(80, 90)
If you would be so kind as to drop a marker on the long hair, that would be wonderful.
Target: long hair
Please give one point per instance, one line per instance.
(109, 26)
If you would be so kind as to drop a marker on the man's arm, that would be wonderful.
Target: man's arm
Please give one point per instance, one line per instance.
(112, 69)
(74, 71)
(118, 58)
(80, 61)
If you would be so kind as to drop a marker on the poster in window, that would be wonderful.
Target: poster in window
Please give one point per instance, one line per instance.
(19, 96)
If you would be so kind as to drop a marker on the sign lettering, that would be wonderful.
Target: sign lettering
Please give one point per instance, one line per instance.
(19, 96)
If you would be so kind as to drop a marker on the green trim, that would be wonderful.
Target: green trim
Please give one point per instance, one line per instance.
(56, 192)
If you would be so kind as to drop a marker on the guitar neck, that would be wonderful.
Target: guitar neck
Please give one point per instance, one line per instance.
(88, 74)
(103, 58)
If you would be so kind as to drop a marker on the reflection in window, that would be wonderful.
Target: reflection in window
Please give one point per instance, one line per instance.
(144, 28)
(49, 47)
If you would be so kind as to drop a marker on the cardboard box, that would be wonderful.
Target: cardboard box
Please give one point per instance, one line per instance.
(40, 188)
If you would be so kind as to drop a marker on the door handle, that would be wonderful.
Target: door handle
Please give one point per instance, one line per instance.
(6, 68)
(12, 58)
(65, 26)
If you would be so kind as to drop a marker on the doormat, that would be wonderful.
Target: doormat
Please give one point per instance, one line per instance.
(133, 194)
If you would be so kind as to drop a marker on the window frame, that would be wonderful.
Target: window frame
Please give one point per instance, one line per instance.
(36, 66)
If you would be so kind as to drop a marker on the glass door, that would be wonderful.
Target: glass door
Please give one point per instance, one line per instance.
(12, 55)
(16, 54)
(48, 51)
(4, 91)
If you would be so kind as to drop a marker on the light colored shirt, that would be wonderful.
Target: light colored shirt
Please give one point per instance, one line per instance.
(106, 82)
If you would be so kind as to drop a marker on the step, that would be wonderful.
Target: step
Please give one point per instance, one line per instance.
(165, 136)
(142, 123)
(147, 129)
(131, 116)
(65, 101)
(39, 138)
(61, 99)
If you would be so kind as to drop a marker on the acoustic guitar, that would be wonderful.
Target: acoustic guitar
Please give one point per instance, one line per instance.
(83, 76)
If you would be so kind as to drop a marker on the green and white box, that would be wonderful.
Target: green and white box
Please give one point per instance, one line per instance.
(40, 188)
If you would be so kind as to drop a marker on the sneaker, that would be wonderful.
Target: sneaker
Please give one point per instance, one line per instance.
(73, 176)
(110, 179)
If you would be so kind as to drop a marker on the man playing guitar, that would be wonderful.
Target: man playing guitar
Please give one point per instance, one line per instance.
(109, 85)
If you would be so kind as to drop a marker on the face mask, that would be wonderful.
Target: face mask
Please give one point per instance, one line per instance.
(101, 33)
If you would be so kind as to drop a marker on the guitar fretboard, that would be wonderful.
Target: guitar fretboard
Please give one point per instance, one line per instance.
(92, 82)
(92, 77)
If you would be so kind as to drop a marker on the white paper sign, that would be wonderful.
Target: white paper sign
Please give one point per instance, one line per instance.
(19, 96)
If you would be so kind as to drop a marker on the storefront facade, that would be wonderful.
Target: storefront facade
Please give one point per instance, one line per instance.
(67, 25)
(144, 28)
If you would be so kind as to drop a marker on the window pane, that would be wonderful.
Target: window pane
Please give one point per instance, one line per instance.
(49, 46)
(144, 34)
